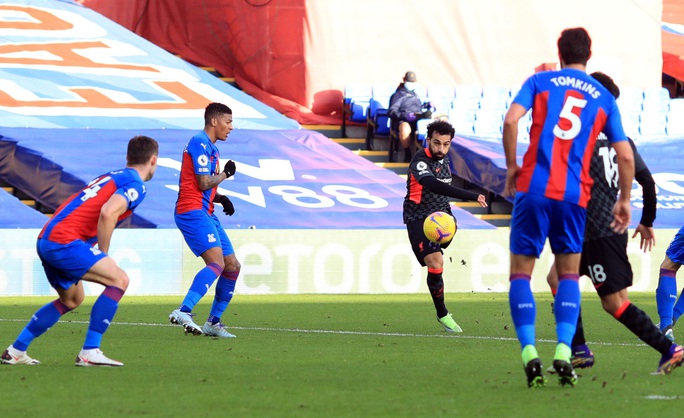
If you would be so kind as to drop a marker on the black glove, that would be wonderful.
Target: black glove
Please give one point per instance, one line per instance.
(228, 207)
(426, 115)
(229, 169)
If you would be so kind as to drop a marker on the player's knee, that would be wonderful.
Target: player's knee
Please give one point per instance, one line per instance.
(121, 280)
(73, 302)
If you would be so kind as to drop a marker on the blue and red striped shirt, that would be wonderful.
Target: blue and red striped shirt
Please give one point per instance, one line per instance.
(77, 217)
(200, 157)
(569, 110)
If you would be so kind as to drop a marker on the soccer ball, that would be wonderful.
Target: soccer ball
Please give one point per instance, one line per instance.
(439, 227)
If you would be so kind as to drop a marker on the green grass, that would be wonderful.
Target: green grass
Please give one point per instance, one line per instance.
(329, 356)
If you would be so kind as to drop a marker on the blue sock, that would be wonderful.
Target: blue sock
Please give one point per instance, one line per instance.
(567, 307)
(678, 308)
(523, 308)
(200, 285)
(42, 320)
(666, 295)
(101, 316)
(224, 293)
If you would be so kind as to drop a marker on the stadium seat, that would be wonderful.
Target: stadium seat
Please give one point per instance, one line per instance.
(488, 122)
(355, 104)
(357, 98)
(656, 99)
(631, 100)
(441, 97)
(675, 125)
(653, 124)
(462, 120)
(675, 118)
(377, 120)
(630, 122)
(495, 98)
(677, 107)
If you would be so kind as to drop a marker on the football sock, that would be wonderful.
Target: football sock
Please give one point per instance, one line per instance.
(578, 338)
(641, 325)
(523, 308)
(563, 352)
(435, 283)
(529, 352)
(224, 293)
(666, 295)
(41, 321)
(567, 307)
(200, 286)
(678, 308)
(101, 316)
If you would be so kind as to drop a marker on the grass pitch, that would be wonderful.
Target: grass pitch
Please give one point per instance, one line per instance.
(329, 356)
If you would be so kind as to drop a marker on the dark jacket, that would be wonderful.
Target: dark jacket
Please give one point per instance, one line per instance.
(403, 102)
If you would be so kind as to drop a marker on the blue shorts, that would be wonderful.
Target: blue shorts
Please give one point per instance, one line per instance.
(536, 218)
(202, 231)
(675, 251)
(66, 264)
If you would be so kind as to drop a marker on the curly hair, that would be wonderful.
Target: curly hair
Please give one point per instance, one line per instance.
(442, 127)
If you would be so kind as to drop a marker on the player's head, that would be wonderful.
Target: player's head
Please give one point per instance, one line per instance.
(214, 111)
(439, 134)
(218, 121)
(574, 46)
(143, 150)
(607, 82)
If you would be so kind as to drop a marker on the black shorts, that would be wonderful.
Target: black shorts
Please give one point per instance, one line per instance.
(605, 262)
(420, 244)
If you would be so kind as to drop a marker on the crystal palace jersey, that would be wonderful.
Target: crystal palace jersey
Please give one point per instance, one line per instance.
(200, 157)
(569, 109)
(419, 201)
(77, 217)
(604, 193)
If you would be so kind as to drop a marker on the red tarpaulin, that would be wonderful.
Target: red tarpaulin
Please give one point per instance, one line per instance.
(297, 55)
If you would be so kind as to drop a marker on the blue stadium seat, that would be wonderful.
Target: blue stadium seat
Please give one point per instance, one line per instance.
(675, 118)
(441, 96)
(630, 122)
(488, 122)
(462, 120)
(653, 124)
(656, 99)
(495, 98)
(357, 99)
(377, 120)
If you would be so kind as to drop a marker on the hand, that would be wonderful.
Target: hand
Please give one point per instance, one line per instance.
(647, 237)
(622, 212)
(410, 117)
(426, 115)
(482, 200)
(229, 168)
(511, 177)
(228, 207)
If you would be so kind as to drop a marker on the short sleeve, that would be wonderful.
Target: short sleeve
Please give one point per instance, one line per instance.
(200, 154)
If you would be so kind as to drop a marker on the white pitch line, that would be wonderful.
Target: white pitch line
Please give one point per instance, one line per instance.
(341, 332)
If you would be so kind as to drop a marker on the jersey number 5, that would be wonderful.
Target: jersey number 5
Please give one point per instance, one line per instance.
(566, 113)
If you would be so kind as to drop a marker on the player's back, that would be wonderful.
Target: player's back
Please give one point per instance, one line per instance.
(569, 109)
(78, 216)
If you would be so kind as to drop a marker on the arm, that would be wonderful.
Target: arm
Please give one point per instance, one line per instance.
(622, 208)
(206, 182)
(510, 143)
(436, 186)
(109, 216)
(648, 214)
